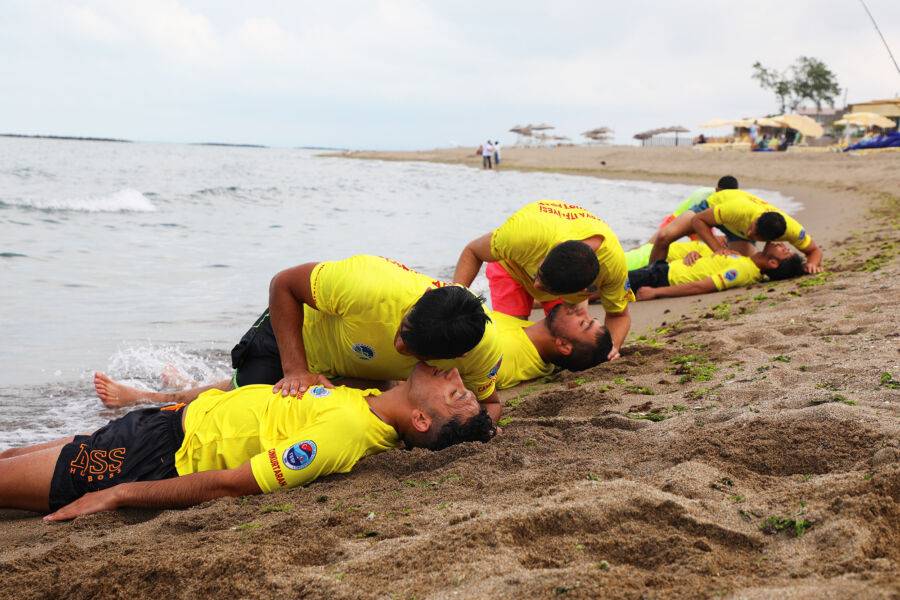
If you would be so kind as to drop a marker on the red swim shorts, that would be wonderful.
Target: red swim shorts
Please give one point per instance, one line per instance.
(508, 296)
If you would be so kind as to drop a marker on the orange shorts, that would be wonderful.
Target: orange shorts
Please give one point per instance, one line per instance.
(508, 296)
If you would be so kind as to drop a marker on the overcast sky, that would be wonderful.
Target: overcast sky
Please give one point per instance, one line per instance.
(405, 74)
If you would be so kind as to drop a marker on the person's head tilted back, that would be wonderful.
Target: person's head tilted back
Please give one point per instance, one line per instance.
(445, 322)
(582, 342)
(443, 412)
(782, 263)
(727, 182)
(568, 268)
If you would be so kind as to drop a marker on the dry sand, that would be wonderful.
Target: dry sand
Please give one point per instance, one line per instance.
(746, 450)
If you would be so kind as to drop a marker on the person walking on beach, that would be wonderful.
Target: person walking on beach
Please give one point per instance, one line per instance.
(696, 274)
(487, 152)
(552, 251)
(247, 441)
(364, 317)
(496, 153)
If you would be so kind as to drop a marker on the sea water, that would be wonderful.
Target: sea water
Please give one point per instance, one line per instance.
(139, 258)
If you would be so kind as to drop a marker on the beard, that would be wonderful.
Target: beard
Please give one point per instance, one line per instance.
(551, 318)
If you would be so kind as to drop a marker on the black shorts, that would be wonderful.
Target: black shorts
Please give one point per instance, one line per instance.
(255, 358)
(140, 446)
(655, 275)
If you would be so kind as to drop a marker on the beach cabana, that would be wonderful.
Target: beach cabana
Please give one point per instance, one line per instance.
(648, 138)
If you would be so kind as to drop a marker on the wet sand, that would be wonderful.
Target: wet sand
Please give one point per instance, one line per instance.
(746, 448)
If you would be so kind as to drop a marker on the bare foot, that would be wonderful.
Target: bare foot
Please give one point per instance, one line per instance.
(173, 377)
(117, 395)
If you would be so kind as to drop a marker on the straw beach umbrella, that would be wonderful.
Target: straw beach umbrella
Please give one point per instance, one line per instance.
(802, 124)
(678, 129)
(866, 119)
(598, 134)
(768, 122)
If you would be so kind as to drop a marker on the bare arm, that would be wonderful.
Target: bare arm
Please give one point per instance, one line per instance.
(288, 292)
(178, 492)
(493, 406)
(617, 324)
(672, 291)
(813, 258)
(476, 252)
(703, 223)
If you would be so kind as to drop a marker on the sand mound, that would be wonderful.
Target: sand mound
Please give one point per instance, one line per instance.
(749, 450)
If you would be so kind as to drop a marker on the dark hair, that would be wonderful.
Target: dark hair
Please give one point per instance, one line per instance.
(445, 322)
(479, 428)
(789, 267)
(586, 355)
(770, 225)
(727, 183)
(569, 267)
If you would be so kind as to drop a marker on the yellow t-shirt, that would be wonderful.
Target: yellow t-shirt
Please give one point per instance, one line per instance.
(521, 361)
(678, 250)
(289, 441)
(737, 210)
(727, 271)
(360, 303)
(525, 239)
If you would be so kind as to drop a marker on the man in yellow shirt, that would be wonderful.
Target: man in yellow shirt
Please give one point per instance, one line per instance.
(247, 441)
(364, 317)
(548, 251)
(715, 272)
(638, 258)
(568, 338)
(744, 219)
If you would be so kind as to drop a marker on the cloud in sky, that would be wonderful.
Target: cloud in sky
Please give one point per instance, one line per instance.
(402, 74)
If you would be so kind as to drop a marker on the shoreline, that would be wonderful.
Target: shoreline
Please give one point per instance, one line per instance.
(825, 208)
(748, 449)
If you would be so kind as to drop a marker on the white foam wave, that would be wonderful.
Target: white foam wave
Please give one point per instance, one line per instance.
(156, 367)
(124, 200)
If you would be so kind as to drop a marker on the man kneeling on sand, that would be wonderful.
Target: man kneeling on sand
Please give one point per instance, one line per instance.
(247, 441)
(364, 317)
(697, 274)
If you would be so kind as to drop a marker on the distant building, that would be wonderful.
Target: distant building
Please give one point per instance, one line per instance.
(889, 108)
(824, 117)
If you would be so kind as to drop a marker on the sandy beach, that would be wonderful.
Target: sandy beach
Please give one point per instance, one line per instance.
(746, 446)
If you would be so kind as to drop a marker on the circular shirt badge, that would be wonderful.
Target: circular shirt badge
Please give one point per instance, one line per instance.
(363, 351)
(731, 275)
(319, 391)
(300, 455)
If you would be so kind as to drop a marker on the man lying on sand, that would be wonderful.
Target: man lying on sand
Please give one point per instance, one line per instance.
(744, 219)
(247, 441)
(704, 274)
(363, 317)
(569, 338)
(638, 258)
(549, 250)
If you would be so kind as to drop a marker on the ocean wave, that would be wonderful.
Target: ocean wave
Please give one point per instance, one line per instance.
(152, 367)
(124, 200)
